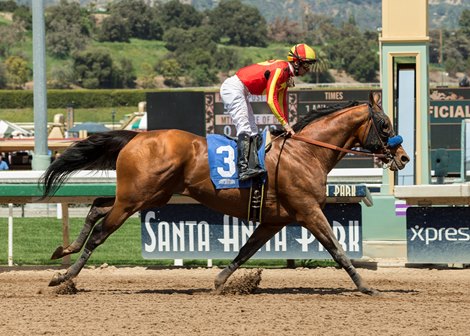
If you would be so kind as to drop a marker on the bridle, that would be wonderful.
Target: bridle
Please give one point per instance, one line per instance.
(373, 141)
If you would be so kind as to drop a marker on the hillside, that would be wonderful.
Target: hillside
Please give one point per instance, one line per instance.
(367, 13)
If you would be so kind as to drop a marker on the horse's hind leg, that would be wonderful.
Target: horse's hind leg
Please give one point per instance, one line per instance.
(318, 225)
(110, 223)
(99, 208)
(261, 235)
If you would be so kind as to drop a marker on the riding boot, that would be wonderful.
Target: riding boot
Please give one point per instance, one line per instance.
(243, 151)
(244, 171)
(256, 143)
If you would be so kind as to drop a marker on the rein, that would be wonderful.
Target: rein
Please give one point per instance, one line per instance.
(397, 140)
(341, 149)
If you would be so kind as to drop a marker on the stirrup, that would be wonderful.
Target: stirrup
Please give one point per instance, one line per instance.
(250, 173)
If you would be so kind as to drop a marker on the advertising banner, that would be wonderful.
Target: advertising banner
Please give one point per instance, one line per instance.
(192, 231)
(438, 234)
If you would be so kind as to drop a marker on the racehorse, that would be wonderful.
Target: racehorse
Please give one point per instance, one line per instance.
(152, 166)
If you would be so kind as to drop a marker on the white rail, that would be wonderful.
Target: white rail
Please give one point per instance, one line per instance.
(343, 175)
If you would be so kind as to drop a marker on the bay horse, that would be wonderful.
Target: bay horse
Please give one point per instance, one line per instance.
(152, 166)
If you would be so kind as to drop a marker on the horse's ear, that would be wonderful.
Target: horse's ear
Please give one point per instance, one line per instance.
(374, 99)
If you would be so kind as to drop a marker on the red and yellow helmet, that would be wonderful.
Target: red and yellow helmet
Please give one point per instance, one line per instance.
(301, 53)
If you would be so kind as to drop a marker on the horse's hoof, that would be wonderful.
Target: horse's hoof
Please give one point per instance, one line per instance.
(218, 288)
(370, 291)
(375, 292)
(58, 253)
(56, 280)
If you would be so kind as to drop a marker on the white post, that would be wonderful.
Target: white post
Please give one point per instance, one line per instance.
(59, 210)
(10, 234)
(178, 262)
(209, 263)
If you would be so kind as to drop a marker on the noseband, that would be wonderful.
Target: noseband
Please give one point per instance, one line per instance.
(379, 140)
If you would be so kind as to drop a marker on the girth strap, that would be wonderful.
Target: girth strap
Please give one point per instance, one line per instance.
(255, 202)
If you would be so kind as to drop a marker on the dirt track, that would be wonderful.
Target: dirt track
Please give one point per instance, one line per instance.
(137, 301)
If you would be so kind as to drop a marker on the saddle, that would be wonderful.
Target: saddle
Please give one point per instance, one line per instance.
(221, 150)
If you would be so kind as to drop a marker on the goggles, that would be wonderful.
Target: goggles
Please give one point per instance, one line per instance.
(307, 64)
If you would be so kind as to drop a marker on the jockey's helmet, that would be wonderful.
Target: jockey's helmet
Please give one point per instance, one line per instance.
(301, 53)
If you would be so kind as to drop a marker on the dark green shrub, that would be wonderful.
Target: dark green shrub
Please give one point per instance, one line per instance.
(79, 98)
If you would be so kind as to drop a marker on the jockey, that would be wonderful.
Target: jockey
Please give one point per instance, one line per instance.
(272, 78)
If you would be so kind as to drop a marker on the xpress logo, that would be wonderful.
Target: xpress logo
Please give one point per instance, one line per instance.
(447, 234)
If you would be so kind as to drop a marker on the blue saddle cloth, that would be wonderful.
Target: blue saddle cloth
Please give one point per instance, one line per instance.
(223, 158)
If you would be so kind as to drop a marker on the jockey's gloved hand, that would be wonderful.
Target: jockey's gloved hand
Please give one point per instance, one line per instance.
(289, 130)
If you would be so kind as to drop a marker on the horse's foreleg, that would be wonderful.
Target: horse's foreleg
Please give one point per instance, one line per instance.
(99, 209)
(259, 237)
(112, 221)
(318, 225)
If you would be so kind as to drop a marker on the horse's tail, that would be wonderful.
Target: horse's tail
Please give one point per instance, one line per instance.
(97, 152)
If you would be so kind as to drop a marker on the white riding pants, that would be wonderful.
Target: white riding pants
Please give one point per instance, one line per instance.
(235, 96)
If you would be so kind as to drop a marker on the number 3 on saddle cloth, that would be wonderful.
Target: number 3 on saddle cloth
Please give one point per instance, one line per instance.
(222, 152)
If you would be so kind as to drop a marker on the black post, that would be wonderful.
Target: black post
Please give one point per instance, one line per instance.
(113, 116)
(441, 161)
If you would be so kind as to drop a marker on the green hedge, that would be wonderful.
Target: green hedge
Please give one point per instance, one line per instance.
(16, 99)
(79, 98)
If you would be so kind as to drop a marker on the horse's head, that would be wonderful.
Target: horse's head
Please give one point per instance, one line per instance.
(380, 138)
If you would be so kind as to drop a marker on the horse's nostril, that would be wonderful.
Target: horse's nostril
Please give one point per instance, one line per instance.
(404, 159)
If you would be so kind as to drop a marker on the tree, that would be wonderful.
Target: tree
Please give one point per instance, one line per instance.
(142, 20)
(61, 77)
(8, 6)
(18, 72)
(147, 81)
(203, 75)
(124, 75)
(285, 30)
(434, 47)
(176, 39)
(22, 15)
(94, 68)
(227, 59)
(171, 71)
(320, 30)
(352, 53)
(364, 68)
(3, 76)
(199, 65)
(464, 22)
(114, 29)
(174, 14)
(61, 45)
(320, 68)
(11, 35)
(242, 24)
(180, 40)
(194, 51)
(68, 29)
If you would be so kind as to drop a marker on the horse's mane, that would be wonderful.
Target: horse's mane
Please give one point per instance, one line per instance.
(321, 112)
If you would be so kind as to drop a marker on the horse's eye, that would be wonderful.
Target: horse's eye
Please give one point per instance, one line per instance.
(385, 126)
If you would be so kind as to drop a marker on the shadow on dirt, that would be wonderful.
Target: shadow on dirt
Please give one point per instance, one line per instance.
(259, 291)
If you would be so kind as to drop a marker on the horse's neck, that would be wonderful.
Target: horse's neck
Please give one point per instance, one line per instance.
(339, 129)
